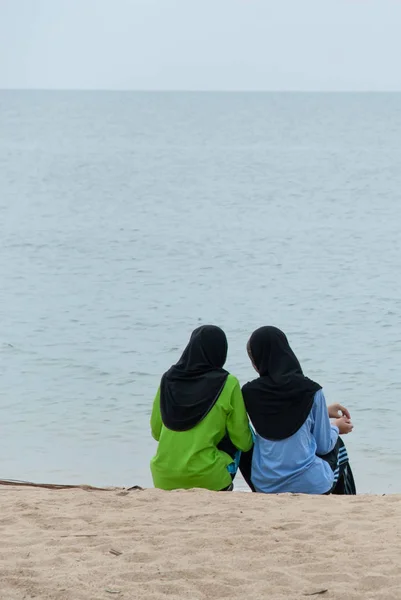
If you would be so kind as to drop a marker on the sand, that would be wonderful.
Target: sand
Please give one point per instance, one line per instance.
(197, 545)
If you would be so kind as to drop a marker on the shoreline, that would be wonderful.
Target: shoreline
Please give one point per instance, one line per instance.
(86, 544)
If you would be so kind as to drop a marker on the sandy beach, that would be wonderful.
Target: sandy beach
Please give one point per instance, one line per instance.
(94, 545)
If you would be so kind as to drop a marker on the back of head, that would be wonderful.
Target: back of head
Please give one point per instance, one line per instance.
(272, 354)
(206, 350)
(280, 399)
(191, 387)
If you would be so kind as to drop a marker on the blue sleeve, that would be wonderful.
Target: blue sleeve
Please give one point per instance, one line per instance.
(323, 431)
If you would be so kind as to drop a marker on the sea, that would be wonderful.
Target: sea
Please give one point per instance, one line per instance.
(127, 219)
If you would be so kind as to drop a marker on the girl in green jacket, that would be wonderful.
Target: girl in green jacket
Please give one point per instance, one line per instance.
(198, 404)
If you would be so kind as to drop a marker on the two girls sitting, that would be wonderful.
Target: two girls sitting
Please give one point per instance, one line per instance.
(201, 416)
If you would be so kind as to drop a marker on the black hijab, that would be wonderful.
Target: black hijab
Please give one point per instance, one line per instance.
(190, 388)
(280, 399)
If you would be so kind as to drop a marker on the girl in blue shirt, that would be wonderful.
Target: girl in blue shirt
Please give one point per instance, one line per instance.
(296, 448)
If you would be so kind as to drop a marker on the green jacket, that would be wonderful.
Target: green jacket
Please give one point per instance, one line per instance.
(190, 459)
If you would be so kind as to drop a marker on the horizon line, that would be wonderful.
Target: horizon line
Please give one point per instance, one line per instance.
(198, 91)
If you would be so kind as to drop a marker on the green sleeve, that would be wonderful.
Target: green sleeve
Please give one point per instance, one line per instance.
(156, 418)
(237, 423)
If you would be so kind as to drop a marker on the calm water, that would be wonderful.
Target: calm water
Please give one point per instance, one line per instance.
(127, 219)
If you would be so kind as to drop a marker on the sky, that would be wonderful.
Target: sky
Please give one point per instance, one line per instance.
(281, 45)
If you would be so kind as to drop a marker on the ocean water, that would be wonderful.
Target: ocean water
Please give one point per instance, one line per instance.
(127, 219)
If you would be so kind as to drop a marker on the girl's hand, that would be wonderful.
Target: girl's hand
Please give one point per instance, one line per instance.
(337, 411)
(344, 425)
